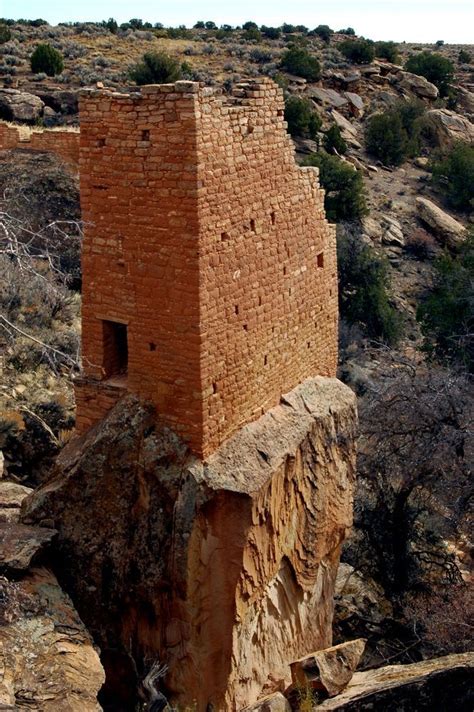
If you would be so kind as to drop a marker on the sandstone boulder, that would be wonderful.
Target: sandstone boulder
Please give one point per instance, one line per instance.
(12, 495)
(327, 97)
(328, 670)
(356, 103)
(272, 703)
(47, 659)
(449, 127)
(348, 130)
(417, 85)
(465, 100)
(223, 569)
(440, 684)
(449, 230)
(20, 106)
(393, 233)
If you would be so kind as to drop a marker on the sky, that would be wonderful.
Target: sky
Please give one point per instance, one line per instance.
(398, 20)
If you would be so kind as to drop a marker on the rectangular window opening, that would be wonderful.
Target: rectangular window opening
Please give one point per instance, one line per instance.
(115, 348)
(320, 260)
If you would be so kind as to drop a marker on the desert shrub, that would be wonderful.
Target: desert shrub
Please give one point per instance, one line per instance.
(324, 32)
(252, 35)
(421, 244)
(349, 31)
(394, 134)
(156, 68)
(111, 25)
(358, 51)
(249, 25)
(454, 173)
(385, 138)
(287, 28)
(436, 69)
(301, 117)
(364, 297)
(388, 51)
(333, 140)
(297, 60)
(345, 193)
(260, 56)
(46, 59)
(271, 33)
(464, 57)
(447, 316)
(5, 34)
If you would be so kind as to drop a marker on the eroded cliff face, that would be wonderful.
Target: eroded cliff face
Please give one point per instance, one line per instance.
(223, 569)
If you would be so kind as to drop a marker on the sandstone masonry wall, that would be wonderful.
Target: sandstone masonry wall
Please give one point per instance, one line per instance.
(207, 241)
(63, 143)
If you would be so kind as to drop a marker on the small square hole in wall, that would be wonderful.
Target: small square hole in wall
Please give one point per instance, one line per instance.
(260, 301)
(152, 346)
(265, 360)
(245, 326)
(225, 236)
(100, 142)
(214, 387)
(146, 135)
(320, 260)
(236, 309)
(252, 225)
(284, 270)
(273, 217)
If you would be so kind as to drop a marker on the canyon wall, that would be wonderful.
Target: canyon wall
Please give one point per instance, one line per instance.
(222, 569)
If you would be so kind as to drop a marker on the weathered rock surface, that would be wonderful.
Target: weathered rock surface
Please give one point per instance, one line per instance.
(442, 684)
(449, 127)
(465, 100)
(417, 85)
(272, 703)
(449, 230)
(47, 659)
(348, 130)
(12, 495)
(328, 670)
(223, 569)
(19, 544)
(18, 105)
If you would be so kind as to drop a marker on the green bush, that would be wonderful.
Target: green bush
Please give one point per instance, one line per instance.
(364, 296)
(454, 173)
(297, 60)
(345, 193)
(156, 68)
(46, 59)
(394, 135)
(333, 140)
(388, 51)
(5, 34)
(436, 69)
(464, 57)
(271, 33)
(252, 34)
(324, 32)
(301, 117)
(447, 316)
(358, 51)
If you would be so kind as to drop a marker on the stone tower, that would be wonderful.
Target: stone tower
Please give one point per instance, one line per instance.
(209, 269)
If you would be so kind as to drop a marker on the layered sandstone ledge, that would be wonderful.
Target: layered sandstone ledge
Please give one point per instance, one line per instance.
(222, 569)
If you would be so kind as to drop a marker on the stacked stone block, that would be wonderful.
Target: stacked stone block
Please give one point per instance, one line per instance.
(210, 244)
(64, 143)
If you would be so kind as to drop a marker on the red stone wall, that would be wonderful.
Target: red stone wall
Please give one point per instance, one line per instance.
(210, 244)
(63, 143)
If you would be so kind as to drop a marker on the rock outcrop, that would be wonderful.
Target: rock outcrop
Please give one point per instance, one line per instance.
(440, 684)
(449, 230)
(417, 85)
(222, 569)
(330, 670)
(449, 127)
(20, 106)
(47, 659)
